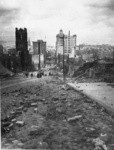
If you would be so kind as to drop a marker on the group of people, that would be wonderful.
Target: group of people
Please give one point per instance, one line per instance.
(39, 74)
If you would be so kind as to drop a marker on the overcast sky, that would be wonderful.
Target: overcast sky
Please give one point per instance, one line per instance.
(91, 20)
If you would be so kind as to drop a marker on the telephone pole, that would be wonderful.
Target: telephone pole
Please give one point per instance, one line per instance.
(63, 61)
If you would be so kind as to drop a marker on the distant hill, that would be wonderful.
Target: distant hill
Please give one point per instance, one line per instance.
(101, 50)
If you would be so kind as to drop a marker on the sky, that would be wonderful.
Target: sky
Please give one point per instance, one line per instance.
(91, 20)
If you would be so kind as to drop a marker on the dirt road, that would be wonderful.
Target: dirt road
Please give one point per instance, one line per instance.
(45, 114)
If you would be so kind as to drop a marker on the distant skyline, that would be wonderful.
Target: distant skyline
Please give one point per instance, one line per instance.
(92, 21)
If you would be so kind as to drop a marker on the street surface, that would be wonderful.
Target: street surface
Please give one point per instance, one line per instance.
(43, 113)
(15, 82)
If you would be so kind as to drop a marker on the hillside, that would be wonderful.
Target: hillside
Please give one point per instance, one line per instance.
(4, 72)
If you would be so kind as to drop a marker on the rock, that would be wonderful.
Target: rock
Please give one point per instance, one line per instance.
(36, 110)
(18, 112)
(20, 123)
(35, 144)
(19, 108)
(63, 93)
(43, 99)
(55, 98)
(69, 104)
(27, 104)
(13, 120)
(104, 137)
(15, 142)
(90, 129)
(26, 97)
(36, 130)
(74, 118)
(21, 102)
(6, 119)
(34, 104)
(8, 146)
(25, 109)
(16, 94)
(20, 144)
(63, 87)
(5, 124)
(63, 98)
(90, 107)
(59, 110)
(68, 88)
(45, 102)
(40, 99)
(12, 112)
(11, 126)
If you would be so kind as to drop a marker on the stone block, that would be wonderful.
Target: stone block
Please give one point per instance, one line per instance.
(74, 118)
(20, 123)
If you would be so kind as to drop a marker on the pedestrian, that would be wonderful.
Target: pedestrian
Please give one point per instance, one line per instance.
(26, 74)
(38, 75)
(31, 75)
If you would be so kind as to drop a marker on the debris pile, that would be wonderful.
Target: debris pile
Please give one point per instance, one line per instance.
(95, 72)
(54, 116)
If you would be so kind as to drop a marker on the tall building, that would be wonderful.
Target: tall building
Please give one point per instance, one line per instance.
(69, 43)
(21, 40)
(59, 42)
(40, 44)
(42, 47)
(22, 46)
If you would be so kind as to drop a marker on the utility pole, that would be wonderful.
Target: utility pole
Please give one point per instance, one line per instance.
(63, 61)
(39, 54)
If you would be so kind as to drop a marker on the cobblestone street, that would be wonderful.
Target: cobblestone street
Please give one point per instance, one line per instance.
(46, 114)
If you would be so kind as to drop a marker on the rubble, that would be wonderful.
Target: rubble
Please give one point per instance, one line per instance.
(5, 124)
(12, 112)
(36, 110)
(34, 104)
(74, 118)
(25, 109)
(104, 137)
(13, 120)
(99, 144)
(90, 129)
(11, 126)
(36, 130)
(63, 87)
(20, 123)
(19, 108)
(15, 142)
(18, 112)
(20, 144)
(49, 121)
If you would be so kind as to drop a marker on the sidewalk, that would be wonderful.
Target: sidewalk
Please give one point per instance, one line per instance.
(101, 92)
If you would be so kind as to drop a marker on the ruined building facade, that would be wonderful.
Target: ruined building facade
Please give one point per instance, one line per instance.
(39, 48)
(22, 46)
